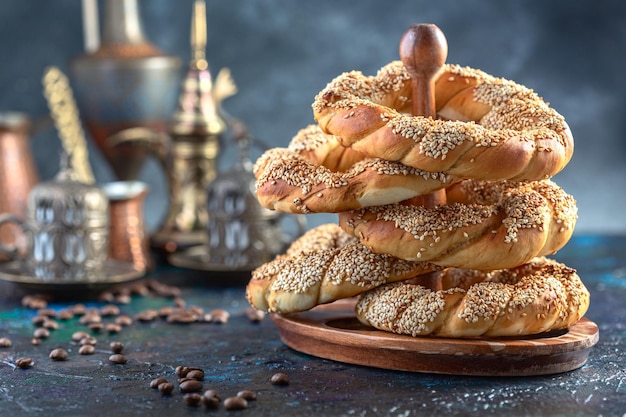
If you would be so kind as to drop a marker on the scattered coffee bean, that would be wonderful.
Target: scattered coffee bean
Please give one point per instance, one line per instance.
(193, 399)
(106, 297)
(157, 381)
(65, 314)
(90, 318)
(50, 324)
(219, 316)
(235, 403)
(23, 362)
(211, 393)
(113, 328)
(80, 335)
(182, 371)
(96, 327)
(147, 315)
(78, 309)
(247, 394)
(165, 311)
(48, 312)
(118, 359)
(116, 347)
(88, 340)
(190, 386)
(124, 320)
(197, 374)
(166, 388)
(255, 315)
(182, 316)
(280, 379)
(86, 350)
(35, 341)
(58, 354)
(39, 320)
(110, 310)
(35, 302)
(181, 380)
(123, 299)
(5, 342)
(179, 302)
(210, 402)
(41, 333)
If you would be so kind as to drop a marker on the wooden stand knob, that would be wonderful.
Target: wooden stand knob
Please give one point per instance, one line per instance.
(423, 51)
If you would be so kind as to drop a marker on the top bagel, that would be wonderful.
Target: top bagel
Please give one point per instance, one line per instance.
(487, 128)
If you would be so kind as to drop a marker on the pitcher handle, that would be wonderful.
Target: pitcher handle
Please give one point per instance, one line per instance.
(10, 252)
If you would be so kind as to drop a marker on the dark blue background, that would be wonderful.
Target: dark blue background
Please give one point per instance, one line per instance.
(282, 52)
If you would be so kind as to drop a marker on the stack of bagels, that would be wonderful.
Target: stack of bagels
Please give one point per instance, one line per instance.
(444, 224)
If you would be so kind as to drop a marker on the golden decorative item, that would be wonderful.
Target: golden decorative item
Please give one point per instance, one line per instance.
(64, 112)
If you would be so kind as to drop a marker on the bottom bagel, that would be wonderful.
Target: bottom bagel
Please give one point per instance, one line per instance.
(540, 296)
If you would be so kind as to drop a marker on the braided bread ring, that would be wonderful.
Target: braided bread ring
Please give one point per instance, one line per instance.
(485, 225)
(323, 265)
(315, 174)
(492, 128)
(541, 296)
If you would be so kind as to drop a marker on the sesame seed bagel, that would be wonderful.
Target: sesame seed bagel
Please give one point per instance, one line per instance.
(486, 128)
(484, 225)
(323, 265)
(537, 297)
(315, 174)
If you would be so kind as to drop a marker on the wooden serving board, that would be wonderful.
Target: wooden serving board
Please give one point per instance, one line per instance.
(333, 332)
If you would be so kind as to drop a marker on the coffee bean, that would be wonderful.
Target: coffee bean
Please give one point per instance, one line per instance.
(48, 312)
(90, 318)
(179, 302)
(235, 403)
(247, 394)
(113, 328)
(34, 302)
(182, 371)
(41, 333)
(39, 320)
(58, 354)
(65, 314)
(23, 362)
(157, 381)
(165, 311)
(124, 320)
(219, 316)
(280, 379)
(210, 402)
(193, 399)
(88, 340)
(35, 341)
(106, 297)
(182, 317)
(211, 393)
(166, 388)
(110, 310)
(96, 327)
(254, 315)
(118, 359)
(197, 374)
(147, 315)
(86, 350)
(78, 309)
(50, 324)
(190, 385)
(116, 347)
(80, 335)
(5, 342)
(123, 299)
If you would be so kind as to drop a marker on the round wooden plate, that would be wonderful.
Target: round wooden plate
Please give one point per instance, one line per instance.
(333, 332)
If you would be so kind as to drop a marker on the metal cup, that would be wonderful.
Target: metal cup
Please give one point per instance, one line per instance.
(67, 231)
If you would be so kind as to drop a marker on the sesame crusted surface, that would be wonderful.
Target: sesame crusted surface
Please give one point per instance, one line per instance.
(485, 225)
(324, 265)
(539, 297)
(481, 120)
